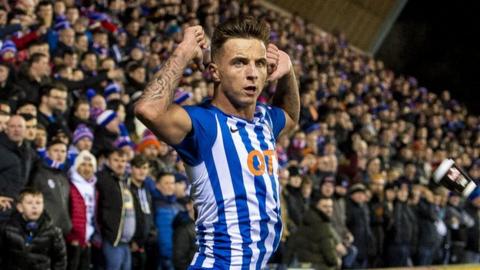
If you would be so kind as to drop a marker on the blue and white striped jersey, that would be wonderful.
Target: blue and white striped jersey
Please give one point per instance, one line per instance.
(233, 168)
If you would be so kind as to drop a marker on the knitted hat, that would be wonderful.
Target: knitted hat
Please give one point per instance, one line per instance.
(85, 156)
(82, 131)
(106, 117)
(111, 89)
(8, 46)
(122, 141)
(61, 23)
(148, 139)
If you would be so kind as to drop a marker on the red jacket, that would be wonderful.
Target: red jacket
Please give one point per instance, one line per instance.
(78, 215)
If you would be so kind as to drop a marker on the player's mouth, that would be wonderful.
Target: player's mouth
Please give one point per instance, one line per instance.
(251, 89)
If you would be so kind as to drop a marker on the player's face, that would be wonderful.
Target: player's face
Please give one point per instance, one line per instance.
(241, 70)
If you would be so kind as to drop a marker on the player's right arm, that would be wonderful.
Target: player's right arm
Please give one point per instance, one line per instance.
(155, 108)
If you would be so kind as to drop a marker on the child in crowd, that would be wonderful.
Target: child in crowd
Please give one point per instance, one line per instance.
(29, 239)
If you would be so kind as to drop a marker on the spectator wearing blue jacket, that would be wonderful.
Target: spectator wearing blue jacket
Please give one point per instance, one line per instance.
(166, 208)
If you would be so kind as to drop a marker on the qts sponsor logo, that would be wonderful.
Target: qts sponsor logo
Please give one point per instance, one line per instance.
(260, 162)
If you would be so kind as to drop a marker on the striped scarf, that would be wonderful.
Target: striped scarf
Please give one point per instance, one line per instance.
(53, 164)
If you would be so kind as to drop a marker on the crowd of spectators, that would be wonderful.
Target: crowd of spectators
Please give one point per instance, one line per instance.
(355, 174)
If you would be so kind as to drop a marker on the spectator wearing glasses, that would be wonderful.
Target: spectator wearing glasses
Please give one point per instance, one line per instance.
(53, 105)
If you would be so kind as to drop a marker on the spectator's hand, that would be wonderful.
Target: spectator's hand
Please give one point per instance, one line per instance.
(341, 249)
(279, 63)
(114, 74)
(134, 247)
(75, 243)
(42, 30)
(125, 99)
(5, 203)
(193, 43)
(27, 20)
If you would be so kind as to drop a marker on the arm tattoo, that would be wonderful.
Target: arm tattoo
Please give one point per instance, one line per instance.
(287, 96)
(162, 87)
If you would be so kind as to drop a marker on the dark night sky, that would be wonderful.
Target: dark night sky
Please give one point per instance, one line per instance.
(434, 42)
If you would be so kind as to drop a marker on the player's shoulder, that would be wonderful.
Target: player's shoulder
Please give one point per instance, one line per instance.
(263, 110)
(200, 111)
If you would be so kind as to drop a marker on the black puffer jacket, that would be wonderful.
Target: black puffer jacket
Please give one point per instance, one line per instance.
(46, 250)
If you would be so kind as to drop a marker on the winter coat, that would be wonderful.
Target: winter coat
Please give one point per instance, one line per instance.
(15, 166)
(110, 205)
(78, 215)
(184, 246)
(46, 249)
(103, 139)
(428, 236)
(144, 222)
(473, 239)
(29, 88)
(377, 222)
(401, 228)
(295, 206)
(315, 242)
(358, 222)
(166, 208)
(339, 218)
(54, 185)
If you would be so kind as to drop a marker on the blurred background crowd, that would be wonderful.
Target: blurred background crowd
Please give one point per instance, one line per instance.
(355, 175)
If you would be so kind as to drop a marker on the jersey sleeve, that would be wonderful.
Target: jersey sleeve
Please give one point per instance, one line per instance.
(277, 119)
(202, 135)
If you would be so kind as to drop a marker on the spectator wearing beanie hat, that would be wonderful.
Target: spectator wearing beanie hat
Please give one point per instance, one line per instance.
(106, 132)
(152, 149)
(8, 52)
(82, 204)
(112, 92)
(149, 145)
(82, 140)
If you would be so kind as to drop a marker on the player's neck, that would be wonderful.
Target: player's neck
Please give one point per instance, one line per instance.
(226, 106)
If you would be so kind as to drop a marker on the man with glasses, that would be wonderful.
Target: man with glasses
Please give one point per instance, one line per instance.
(53, 104)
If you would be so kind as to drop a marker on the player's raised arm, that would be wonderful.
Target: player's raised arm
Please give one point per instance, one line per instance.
(155, 109)
(287, 95)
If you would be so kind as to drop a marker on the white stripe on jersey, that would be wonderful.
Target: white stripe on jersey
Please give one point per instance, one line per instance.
(202, 191)
(252, 202)
(269, 200)
(228, 194)
(249, 164)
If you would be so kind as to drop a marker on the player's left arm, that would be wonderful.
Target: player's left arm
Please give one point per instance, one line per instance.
(287, 94)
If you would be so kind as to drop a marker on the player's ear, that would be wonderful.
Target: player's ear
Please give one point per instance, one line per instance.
(213, 68)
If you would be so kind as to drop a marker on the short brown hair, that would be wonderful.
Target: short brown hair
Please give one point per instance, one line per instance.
(29, 191)
(247, 27)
